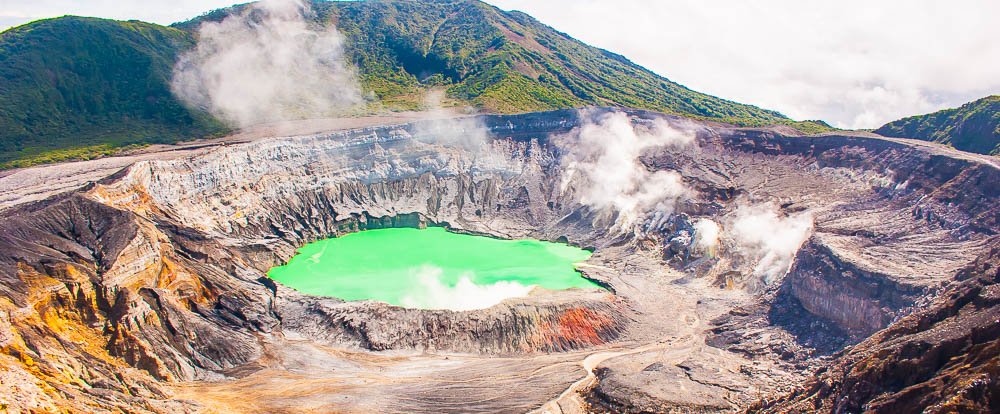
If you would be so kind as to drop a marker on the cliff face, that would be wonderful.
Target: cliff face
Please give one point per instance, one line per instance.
(945, 357)
(856, 301)
(575, 321)
(155, 276)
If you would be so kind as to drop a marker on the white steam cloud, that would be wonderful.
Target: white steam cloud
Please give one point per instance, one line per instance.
(769, 239)
(606, 154)
(442, 126)
(706, 234)
(429, 292)
(266, 64)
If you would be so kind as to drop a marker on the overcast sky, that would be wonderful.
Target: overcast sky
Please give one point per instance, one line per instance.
(853, 63)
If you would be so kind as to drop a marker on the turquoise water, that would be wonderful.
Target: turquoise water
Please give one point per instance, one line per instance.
(430, 268)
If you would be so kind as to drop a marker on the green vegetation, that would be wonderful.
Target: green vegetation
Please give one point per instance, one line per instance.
(973, 127)
(46, 156)
(497, 61)
(504, 62)
(811, 126)
(80, 87)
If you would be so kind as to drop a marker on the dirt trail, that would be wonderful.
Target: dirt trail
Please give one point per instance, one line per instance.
(673, 350)
(571, 401)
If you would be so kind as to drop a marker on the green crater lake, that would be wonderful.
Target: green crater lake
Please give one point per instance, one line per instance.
(430, 268)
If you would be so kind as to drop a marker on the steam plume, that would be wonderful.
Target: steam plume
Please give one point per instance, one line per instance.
(429, 292)
(267, 64)
(707, 235)
(441, 126)
(606, 154)
(769, 239)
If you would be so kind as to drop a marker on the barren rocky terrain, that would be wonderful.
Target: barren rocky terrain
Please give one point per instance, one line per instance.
(138, 284)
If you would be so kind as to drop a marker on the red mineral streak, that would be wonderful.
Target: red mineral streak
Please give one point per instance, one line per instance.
(576, 326)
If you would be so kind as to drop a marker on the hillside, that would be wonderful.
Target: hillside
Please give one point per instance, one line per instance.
(504, 62)
(973, 127)
(80, 87)
(83, 87)
(508, 61)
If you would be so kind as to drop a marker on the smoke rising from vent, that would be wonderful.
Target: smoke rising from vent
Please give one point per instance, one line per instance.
(265, 64)
(605, 154)
(431, 293)
(771, 240)
(706, 234)
(442, 126)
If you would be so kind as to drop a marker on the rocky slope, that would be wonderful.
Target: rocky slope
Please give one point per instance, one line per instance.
(943, 358)
(145, 291)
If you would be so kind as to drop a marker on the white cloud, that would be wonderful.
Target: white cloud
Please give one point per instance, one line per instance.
(440, 126)
(706, 234)
(769, 239)
(267, 64)
(430, 292)
(604, 155)
(854, 63)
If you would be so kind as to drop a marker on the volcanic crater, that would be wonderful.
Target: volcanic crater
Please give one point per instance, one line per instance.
(146, 290)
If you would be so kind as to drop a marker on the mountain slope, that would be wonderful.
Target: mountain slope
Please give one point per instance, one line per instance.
(498, 61)
(973, 127)
(80, 86)
(509, 62)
